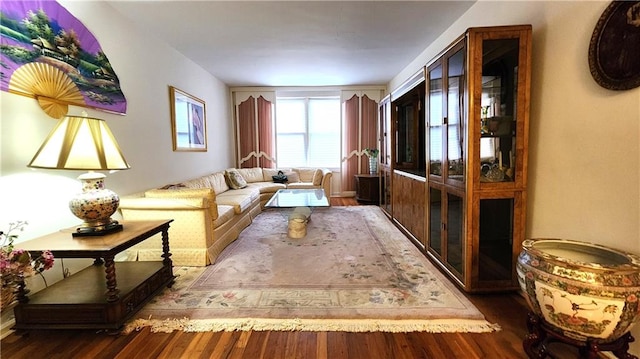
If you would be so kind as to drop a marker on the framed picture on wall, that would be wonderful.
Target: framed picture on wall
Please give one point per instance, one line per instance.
(188, 121)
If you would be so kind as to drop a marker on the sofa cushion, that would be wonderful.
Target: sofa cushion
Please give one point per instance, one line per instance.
(251, 174)
(225, 213)
(235, 179)
(207, 193)
(200, 182)
(301, 185)
(292, 177)
(218, 182)
(241, 199)
(317, 177)
(306, 174)
(267, 187)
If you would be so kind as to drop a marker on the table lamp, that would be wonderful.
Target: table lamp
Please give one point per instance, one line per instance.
(83, 143)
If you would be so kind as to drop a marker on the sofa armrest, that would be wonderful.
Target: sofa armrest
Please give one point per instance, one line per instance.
(178, 204)
(326, 181)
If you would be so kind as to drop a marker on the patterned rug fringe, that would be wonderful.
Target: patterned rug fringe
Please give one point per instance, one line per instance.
(313, 325)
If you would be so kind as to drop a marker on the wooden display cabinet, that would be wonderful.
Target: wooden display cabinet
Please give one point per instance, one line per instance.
(477, 144)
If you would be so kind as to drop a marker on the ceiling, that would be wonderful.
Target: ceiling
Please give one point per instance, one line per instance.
(296, 43)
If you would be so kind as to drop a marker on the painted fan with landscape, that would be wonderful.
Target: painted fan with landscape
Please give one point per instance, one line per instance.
(51, 56)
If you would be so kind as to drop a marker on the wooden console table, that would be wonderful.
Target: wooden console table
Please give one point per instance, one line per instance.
(93, 298)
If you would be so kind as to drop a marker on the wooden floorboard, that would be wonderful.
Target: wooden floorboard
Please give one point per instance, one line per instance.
(509, 310)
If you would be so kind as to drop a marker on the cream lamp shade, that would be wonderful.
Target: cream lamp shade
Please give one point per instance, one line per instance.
(83, 143)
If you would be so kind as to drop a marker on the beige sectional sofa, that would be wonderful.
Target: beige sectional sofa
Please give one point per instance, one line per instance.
(208, 213)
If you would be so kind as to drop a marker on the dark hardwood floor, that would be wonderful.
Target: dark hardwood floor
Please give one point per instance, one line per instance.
(508, 310)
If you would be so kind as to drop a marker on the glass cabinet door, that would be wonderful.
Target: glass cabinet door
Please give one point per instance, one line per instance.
(405, 136)
(435, 221)
(455, 240)
(455, 110)
(495, 250)
(436, 120)
(498, 110)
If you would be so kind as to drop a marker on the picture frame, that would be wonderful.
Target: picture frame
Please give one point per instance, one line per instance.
(614, 49)
(188, 121)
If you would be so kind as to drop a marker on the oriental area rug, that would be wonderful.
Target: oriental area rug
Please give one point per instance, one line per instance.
(354, 271)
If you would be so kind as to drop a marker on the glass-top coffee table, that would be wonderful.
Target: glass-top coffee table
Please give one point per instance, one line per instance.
(301, 201)
(291, 198)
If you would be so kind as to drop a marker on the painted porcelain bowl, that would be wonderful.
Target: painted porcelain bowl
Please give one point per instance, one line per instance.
(582, 290)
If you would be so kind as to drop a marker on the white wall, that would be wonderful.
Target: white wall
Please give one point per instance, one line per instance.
(146, 66)
(584, 160)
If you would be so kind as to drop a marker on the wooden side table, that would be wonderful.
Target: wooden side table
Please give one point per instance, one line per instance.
(95, 298)
(368, 188)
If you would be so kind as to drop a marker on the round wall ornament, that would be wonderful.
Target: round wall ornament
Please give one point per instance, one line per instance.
(614, 50)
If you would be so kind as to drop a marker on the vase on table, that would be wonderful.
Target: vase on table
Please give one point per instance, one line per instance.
(373, 165)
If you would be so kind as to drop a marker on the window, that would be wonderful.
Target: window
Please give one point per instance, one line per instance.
(308, 131)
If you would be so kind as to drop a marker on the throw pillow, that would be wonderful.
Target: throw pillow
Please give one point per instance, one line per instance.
(235, 179)
(317, 177)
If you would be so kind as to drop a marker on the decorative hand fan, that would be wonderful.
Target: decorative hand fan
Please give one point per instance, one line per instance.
(53, 89)
(50, 55)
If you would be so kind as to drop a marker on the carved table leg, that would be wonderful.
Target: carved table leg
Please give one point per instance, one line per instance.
(166, 254)
(112, 285)
(22, 292)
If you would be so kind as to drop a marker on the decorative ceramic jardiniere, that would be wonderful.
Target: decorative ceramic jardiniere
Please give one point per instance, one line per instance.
(582, 290)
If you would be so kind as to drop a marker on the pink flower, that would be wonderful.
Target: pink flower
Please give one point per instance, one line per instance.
(15, 264)
(631, 298)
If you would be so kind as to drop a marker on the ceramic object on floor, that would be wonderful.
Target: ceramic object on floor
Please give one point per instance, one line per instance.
(582, 290)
